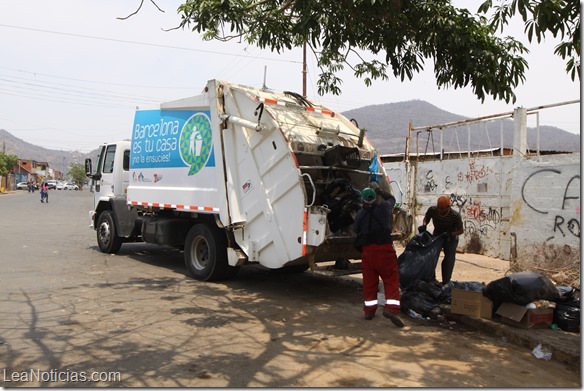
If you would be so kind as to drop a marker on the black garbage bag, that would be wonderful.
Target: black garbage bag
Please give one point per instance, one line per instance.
(419, 259)
(343, 200)
(432, 288)
(568, 293)
(521, 288)
(567, 311)
(421, 303)
(474, 286)
(567, 316)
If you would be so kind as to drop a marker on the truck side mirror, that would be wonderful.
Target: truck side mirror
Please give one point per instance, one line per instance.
(88, 168)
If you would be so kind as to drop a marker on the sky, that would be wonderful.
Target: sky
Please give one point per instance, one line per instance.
(72, 74)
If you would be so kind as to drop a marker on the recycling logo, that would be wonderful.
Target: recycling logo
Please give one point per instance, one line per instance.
(196, 142)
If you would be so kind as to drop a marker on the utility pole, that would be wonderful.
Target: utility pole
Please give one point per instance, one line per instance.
(304, 70)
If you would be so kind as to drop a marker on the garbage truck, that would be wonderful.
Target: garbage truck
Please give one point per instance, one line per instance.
(235, 176)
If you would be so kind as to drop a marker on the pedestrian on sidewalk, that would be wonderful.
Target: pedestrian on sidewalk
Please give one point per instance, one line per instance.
(373, 225)
(448, 222)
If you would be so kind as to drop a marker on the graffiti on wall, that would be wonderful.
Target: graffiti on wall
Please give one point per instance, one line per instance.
(562, 212)
(477, 212)
(430, 184)
(566, 220)
(458, 201)
(475, 173)
(480, 218)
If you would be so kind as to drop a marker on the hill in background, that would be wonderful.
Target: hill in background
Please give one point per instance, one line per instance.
(387, 128)
(57, 159)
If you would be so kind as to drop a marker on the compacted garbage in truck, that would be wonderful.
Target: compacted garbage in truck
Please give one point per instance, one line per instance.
(235, 176)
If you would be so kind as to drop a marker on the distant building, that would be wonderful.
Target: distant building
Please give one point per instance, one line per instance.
(31, 170)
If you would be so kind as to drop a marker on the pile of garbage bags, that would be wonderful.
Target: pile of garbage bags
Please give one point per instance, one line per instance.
(527, 287)
(521, 288)
(423, 294)
(431, 298)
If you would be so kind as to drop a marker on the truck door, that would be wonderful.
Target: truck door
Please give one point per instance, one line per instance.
(112, 174)
(104, 185)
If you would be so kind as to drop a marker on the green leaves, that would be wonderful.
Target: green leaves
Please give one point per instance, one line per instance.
(7, 163)
(560, 18)
(77, 172)
(399, 35)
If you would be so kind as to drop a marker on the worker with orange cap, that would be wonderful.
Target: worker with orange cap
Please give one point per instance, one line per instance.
(446, 222)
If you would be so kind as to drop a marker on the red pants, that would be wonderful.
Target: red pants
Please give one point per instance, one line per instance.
(379, 260)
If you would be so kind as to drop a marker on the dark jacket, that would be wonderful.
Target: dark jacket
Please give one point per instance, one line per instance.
(373, 223)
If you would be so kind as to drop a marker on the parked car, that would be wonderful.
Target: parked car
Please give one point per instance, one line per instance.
(70, 186)
(51, 184)
(60, 185)
(24, 186)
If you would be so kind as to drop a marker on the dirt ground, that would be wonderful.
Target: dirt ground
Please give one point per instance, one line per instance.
(137, 320)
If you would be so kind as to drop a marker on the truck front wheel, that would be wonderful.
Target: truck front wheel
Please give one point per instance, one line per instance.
(206, 253)
(107, 238)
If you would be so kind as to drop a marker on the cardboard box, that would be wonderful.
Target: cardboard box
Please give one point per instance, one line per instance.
(525, 318)
(470, 303)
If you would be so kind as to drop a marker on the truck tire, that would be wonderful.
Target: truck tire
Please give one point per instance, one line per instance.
(107, 239)
(206, 254)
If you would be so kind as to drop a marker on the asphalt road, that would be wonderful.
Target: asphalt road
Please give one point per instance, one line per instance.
(72, 316)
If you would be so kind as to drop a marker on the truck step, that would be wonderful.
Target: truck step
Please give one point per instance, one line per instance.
(329, 269)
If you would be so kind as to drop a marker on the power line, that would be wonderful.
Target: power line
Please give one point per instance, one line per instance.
(93, 81)
(47, 99)
(144, 43)
(75, 90)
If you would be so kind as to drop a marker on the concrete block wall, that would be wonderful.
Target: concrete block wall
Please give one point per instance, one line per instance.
(512, 208)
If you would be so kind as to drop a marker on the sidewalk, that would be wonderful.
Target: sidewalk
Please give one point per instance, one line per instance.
(564, 346)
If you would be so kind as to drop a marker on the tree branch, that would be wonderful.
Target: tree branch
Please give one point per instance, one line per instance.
(139, 8)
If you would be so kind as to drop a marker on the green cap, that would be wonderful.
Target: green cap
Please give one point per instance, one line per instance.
(368, 195)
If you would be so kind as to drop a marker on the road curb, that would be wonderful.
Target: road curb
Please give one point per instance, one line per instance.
(564, 346)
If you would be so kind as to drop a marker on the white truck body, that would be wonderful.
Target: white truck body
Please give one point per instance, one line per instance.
(254, 166)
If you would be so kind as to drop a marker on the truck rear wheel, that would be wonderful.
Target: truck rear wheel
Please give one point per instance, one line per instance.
(107, 238)
(206, 254)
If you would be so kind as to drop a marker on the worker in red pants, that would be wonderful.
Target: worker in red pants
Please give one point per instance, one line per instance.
(378, 259)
